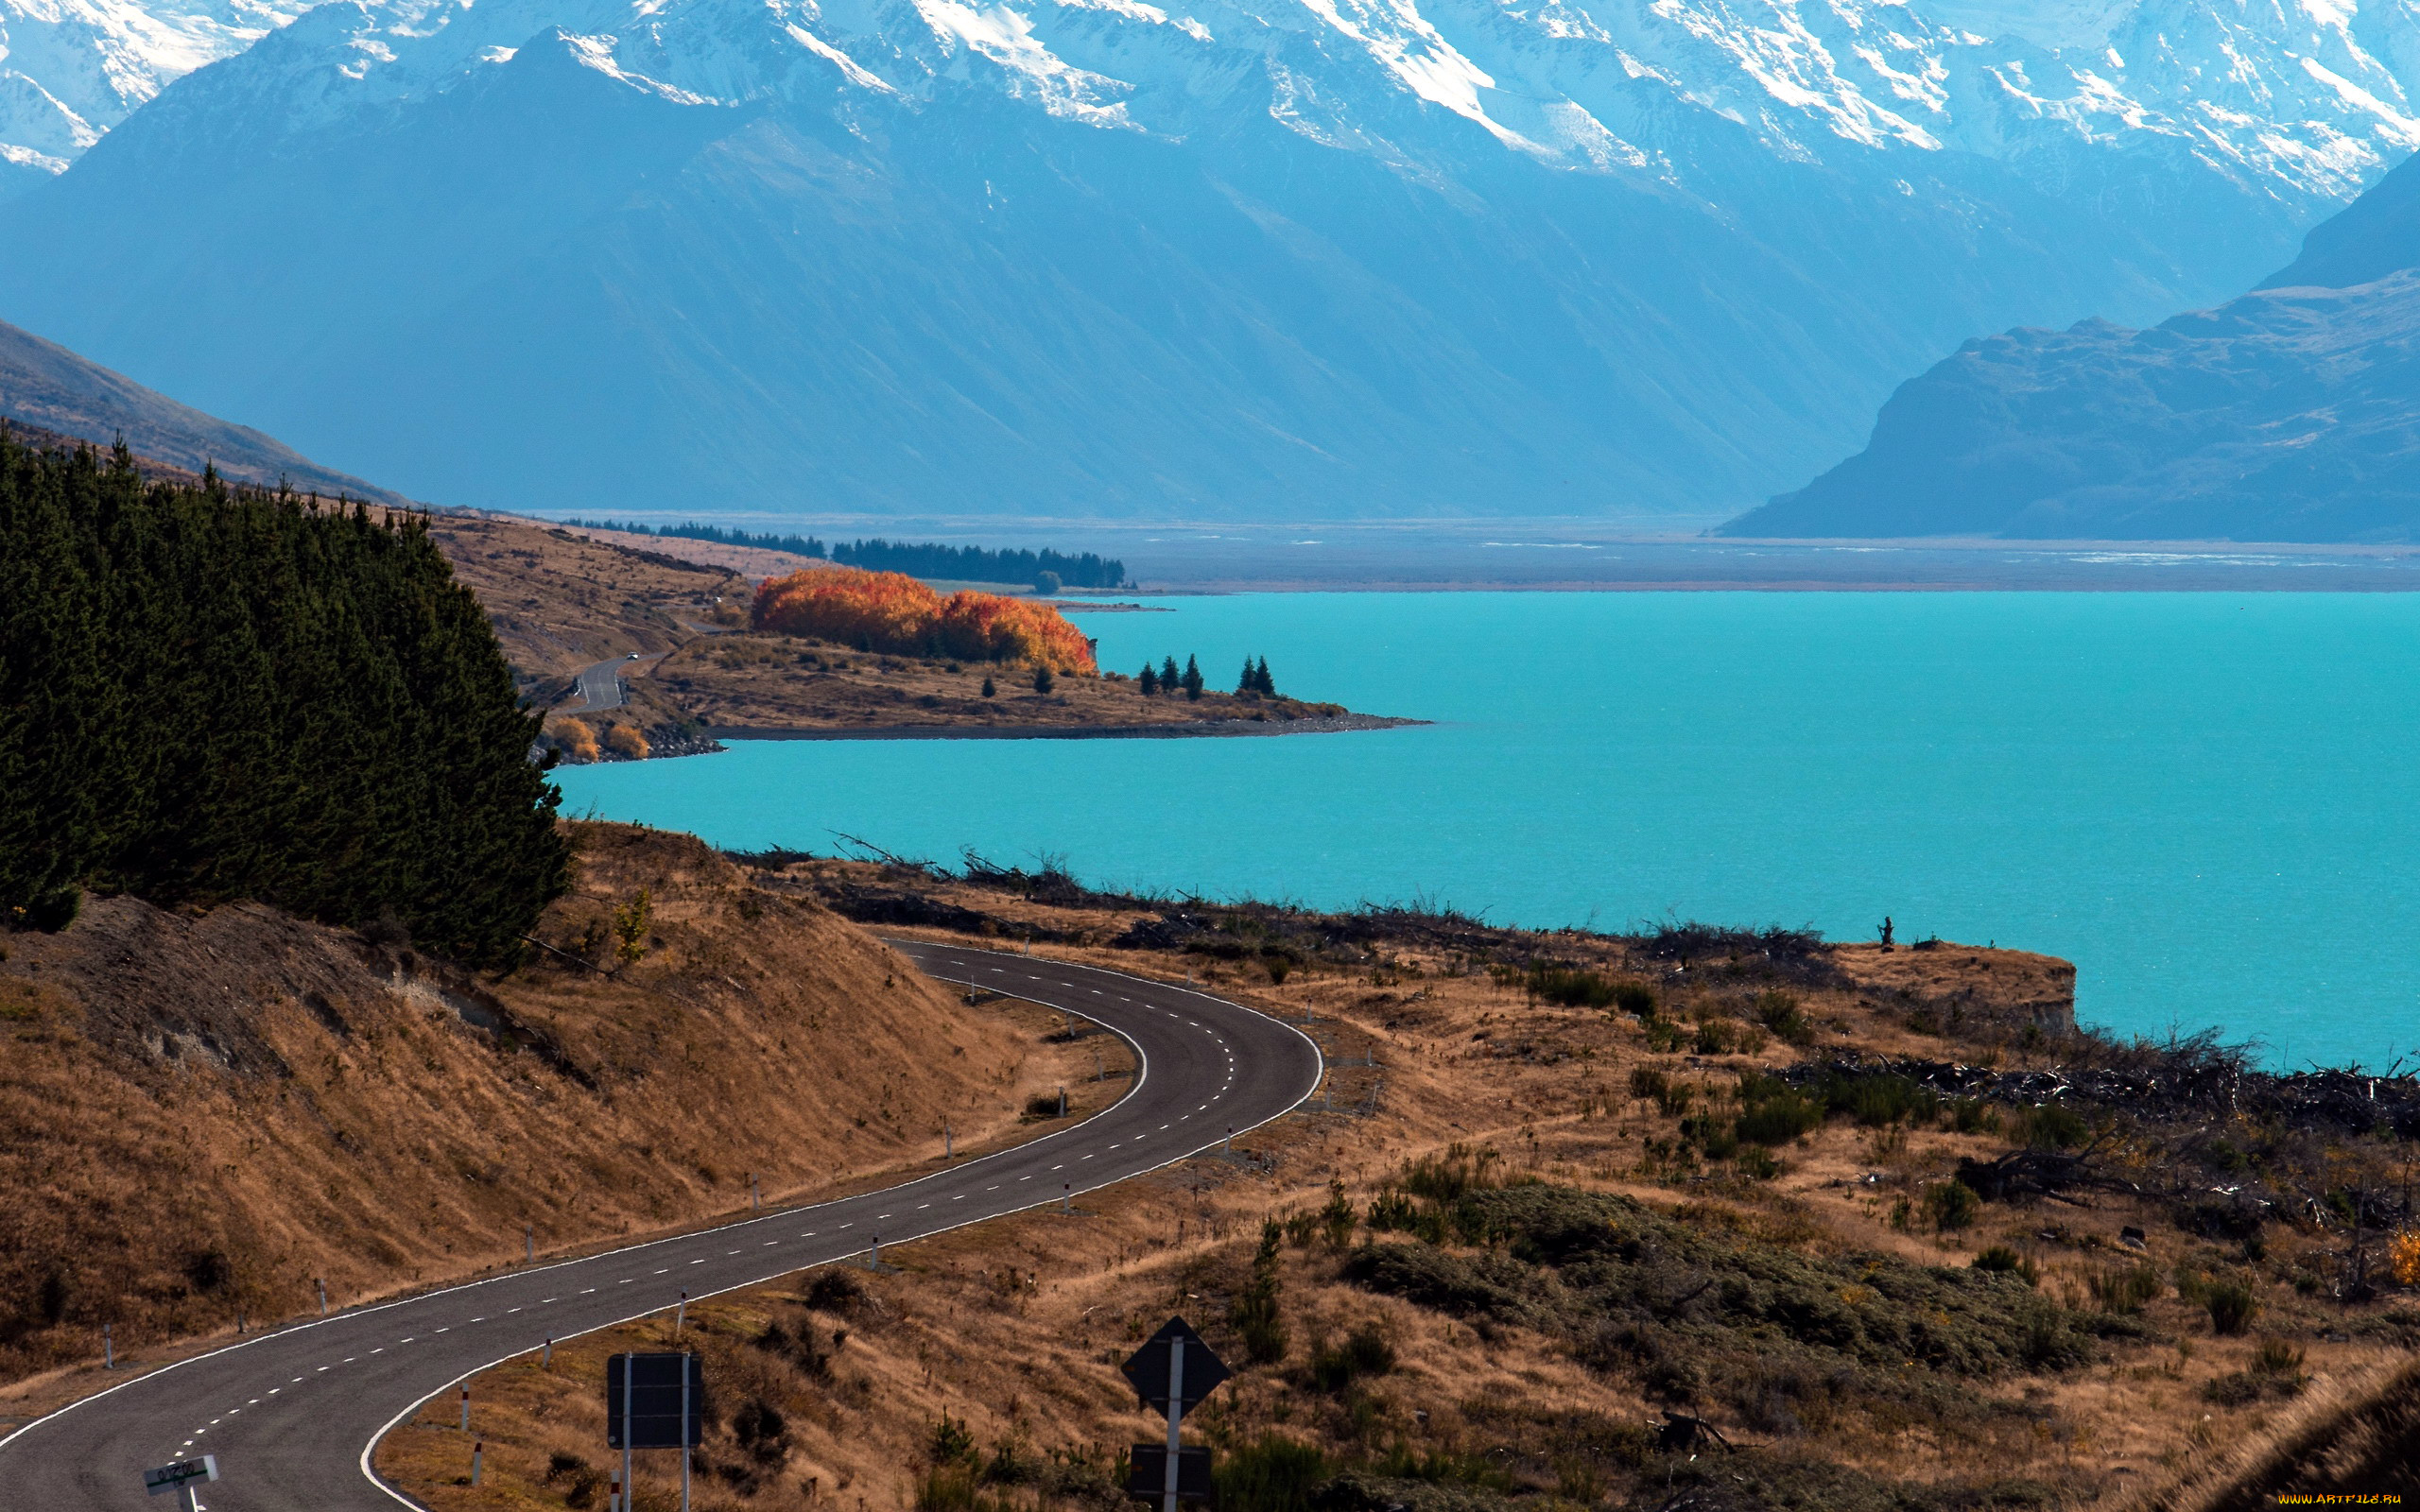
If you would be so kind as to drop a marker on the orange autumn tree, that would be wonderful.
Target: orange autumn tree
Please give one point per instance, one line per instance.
(893, 612)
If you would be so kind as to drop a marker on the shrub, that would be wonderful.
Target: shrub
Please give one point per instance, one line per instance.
(1878, 1101)
(1649, 1081)
(2232, 1307)
(1634, 998)
(1674, 1098)
(1042, 679)
(1364, 1353)
(1664, 1036)
(1255, 1312)
(1044, 1105)
(2277, 1358)
(1270, 1474)
(1772, 1113)
(1952, 1205)
(2006, 1261)
(1279, 968)
(1969, 1116)
(834, 1291)
(2403, 1256)
(2123, 1293)
(1779, 1012)
(1449, 1178)
(626, 740)
(1714, 1039)
(949, 1441)
(2054, 1128)
(1757, 1163)
(1572, 987)
(577, 740)
(893, 612)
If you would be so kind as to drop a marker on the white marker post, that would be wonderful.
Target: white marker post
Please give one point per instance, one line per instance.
(478, 1452)
(322, 1283)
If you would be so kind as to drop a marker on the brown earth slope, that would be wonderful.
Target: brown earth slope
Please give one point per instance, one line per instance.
(1634, 1273)
(202, 1114)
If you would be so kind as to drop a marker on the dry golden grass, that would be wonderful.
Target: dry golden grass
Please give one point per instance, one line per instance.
(1015, 1328)
(202, 1114)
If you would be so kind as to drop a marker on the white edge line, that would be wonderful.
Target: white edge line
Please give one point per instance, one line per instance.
(1319, 1059)
(1142, 1076)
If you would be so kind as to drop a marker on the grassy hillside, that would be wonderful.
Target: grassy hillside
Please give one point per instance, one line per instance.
(205, 1113)
(1524, 1241)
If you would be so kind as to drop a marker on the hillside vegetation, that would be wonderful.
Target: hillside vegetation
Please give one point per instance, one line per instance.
(893, 612)
(211, 693)
(1674, 1220)
(202, 1114)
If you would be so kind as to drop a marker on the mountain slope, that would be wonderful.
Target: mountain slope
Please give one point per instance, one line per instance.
(1099, 259)
(45, 387)
(2289, 414)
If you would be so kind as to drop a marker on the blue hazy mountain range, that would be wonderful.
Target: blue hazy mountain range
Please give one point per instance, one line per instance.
(1099, 258)
(2289, 414)
(49, 392)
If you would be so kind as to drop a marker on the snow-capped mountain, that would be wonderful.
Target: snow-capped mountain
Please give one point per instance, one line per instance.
(1080, 256)
(72, 69)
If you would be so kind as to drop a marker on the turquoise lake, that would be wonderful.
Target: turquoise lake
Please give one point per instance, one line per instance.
(2208, 801)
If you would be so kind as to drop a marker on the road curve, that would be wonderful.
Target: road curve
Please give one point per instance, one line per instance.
(601, 686)
(293, 1414)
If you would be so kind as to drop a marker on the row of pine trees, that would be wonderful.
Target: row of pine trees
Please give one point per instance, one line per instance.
(1166, 678)
(210, 693)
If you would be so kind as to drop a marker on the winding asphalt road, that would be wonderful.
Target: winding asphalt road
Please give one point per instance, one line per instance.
(600, 684)
(293, 1414)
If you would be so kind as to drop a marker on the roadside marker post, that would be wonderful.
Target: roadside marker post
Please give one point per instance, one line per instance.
(1062, 1099)
(466, 1409)
(478, 1452)
(874, 1252)
(1066, 1196)
(680, 1315)
(322, 1283)
(530, 1244)
(178, 1478)
(755, 1202)
(1173, 1370)
(109, 1349)
(547, 1358)
(949, 1151)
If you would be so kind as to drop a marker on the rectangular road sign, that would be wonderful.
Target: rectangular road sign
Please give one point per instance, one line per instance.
(170, 1477)
(655, 1419)
(1149, 1478)
(1148, 1368)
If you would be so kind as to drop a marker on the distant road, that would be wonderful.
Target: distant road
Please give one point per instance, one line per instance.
(294, 1414)
(600, 685)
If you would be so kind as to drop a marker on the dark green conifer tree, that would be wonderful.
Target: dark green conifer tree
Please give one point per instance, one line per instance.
(1150, 680)
(1193, 679)
(209, 694)
(1170, 677)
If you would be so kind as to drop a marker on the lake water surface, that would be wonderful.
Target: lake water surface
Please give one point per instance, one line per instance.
(2208, 801)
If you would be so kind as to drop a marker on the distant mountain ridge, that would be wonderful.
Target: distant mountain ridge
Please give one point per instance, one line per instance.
(45, 387)
(1228, 259)
(2292, 414)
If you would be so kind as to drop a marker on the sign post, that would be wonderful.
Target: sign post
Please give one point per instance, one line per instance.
(1173, 1371)
(179, 1477)
(654, 1401)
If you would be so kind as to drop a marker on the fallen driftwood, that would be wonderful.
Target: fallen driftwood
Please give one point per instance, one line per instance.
(1685, 1434)
(2022, 1174)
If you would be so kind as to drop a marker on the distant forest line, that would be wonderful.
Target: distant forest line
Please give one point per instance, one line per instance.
(213, 694)
(966, 564)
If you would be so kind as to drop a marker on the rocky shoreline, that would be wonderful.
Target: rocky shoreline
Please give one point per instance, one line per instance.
(1330, 723)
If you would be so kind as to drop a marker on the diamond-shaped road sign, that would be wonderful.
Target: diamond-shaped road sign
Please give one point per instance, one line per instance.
(1149, 1368)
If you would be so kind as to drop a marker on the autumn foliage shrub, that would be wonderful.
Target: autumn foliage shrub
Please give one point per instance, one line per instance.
(893, 612)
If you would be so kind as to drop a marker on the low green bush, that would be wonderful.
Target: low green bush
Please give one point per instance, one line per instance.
(1951, 1206)
(2004, 1260)
(1269, 1474)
